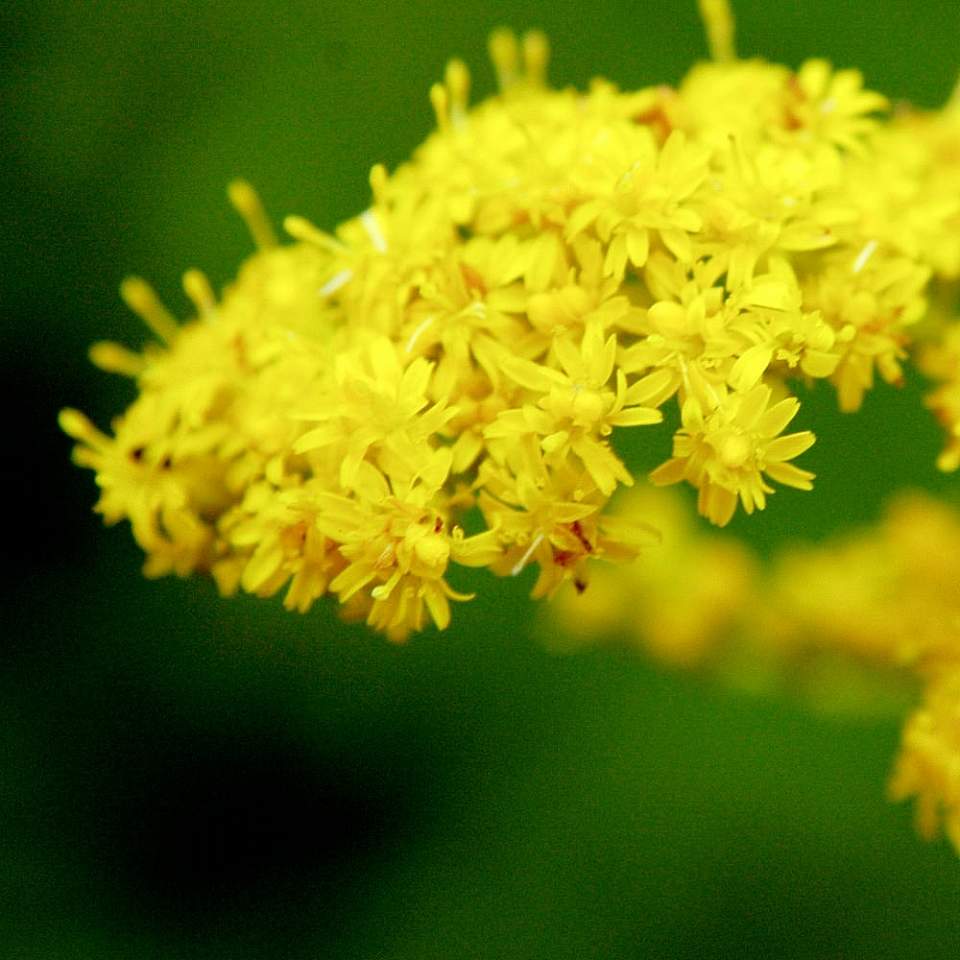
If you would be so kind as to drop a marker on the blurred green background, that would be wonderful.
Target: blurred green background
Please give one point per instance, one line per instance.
(189, 777)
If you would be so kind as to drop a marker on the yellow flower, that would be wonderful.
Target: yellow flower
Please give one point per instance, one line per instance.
(886, 595)
(558, 525)
(870, 300)
(464, 303)
(375, 408)
(576, 408)
(638, 191)
(832, 107)
(726, 452)
(273, 537)
(395, 541)
(168, 503)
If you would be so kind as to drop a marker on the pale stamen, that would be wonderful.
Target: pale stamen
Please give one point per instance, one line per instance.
(517, 568)
(866, 252)
(370, 223)
(335, 283)
(420, 329)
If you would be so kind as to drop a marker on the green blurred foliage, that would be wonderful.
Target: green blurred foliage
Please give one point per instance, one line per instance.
(190, 777)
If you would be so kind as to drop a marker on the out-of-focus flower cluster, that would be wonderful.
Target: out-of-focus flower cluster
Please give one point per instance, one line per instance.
(883, 600)
(552, 270)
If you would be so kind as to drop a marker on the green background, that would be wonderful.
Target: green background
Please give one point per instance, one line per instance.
(189, 777)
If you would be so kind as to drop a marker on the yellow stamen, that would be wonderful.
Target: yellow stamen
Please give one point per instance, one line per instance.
(197, 287)
(114, 358)
(718, 20)
(302, 229)
(246, 202)
(536, 54)
(505, 56)
(519, 566)
(74, 424)
(440, 101)
(457, 79)
(378, 182)
(142, 299)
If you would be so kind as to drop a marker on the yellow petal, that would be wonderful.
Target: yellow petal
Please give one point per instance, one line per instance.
(791, 476)
(750, 367)
(786, 448)
(635, 417)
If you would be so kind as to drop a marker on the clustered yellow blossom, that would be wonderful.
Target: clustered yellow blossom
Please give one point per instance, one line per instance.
(553, 273)
(549, 271)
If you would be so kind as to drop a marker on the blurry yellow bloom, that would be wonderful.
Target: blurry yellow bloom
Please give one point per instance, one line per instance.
(883, 598)
(928, 767)
(833, 107)
(940, 361)
(887, 595)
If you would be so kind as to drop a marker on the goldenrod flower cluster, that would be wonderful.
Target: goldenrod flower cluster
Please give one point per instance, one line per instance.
(552, 271)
